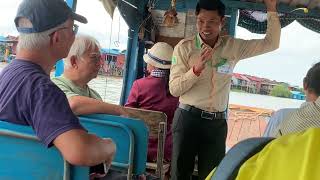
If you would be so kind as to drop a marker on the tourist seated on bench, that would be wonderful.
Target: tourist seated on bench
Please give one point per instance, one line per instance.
(152, 93)
(81, 66)
(27, 95)
(308, 115)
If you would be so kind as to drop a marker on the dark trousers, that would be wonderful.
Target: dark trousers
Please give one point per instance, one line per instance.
(193, 135)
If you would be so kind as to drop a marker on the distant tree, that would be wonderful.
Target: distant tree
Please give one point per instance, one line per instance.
(2, 48)
(281, 90)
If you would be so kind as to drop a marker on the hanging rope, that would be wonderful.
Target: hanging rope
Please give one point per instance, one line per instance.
(117, 42)
(110, 39)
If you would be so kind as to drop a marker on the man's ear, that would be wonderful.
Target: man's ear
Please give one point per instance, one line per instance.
(305, 86)
(54, 38)
(73, 61)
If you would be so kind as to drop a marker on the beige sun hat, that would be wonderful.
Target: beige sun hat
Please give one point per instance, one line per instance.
(159, 55)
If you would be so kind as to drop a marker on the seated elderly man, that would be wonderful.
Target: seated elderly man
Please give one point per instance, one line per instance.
(308, 115)
(81, 66)
(275, 120)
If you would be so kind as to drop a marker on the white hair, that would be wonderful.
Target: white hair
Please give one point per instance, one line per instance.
(81, 45)
(32, 41)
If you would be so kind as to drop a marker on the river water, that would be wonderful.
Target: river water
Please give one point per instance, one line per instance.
(110, 90)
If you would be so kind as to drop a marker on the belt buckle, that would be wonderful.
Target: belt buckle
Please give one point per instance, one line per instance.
(208, 115)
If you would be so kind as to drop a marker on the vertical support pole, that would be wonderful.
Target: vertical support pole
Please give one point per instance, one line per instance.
(59, 64)
(141, 63)
(232, 18)
(131, 64)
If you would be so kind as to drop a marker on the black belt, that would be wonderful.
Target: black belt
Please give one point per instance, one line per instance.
(203, 114)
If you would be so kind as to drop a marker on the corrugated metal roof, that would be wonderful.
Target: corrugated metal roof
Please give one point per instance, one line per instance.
(2, 38)
(110, 51)
(296, 92)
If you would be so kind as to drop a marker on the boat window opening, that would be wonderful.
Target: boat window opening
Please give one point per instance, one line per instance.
(113, 40)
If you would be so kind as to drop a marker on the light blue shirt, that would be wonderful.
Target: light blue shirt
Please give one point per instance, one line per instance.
(276, 119)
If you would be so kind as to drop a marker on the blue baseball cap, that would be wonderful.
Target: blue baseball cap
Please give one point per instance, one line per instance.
(45, 14)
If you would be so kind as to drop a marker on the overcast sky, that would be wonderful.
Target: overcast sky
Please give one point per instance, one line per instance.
(299, 47)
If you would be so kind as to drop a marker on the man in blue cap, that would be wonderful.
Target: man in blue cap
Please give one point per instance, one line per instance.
(200, 76)
(27, 95)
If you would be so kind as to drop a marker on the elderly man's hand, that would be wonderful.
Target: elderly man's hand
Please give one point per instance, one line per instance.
(122, 112)
(271, 5)
(111, 150)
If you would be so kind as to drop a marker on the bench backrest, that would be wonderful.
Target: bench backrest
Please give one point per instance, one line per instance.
(23, 156)
(157, 124)
(140, 133)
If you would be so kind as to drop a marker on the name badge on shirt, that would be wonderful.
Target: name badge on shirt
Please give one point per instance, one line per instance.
(226, 68)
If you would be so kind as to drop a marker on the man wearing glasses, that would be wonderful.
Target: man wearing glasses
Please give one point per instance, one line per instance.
(28, 96)
(81, 66)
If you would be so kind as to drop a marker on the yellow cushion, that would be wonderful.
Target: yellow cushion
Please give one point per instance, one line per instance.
(210, 175)
(294, 156)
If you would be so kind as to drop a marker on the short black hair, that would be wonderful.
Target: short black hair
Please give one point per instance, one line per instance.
(312, 79)
(211, 5)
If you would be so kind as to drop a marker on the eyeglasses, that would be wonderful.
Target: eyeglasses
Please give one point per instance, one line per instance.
(96, 57)
(75, 28)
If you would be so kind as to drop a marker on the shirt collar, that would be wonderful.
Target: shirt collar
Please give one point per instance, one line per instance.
(318, 101)
(199, 42)
(158, 73)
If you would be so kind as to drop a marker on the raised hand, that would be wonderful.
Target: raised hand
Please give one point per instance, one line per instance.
(206, 54)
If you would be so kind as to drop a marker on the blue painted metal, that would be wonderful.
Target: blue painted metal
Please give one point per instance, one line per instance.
(140, 132)
(122, 136)
(232, 16)
(59, 68)
(59, 64)
(130, 70)
(24, 157)
(72, 4)
(298, 95)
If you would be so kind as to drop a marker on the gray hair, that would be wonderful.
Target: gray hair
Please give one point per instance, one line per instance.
(81, 45)
(32, 41)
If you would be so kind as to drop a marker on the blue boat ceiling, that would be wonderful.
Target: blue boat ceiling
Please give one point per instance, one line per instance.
(251, 14)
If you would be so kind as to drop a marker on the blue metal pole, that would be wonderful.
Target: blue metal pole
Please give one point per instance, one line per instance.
(59, 64)
(232, 18)
(131, 69)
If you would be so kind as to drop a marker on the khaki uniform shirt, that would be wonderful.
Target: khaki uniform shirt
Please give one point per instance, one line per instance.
(307, 116)
(210, 90)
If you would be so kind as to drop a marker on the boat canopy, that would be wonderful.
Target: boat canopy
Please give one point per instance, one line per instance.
(251, 14)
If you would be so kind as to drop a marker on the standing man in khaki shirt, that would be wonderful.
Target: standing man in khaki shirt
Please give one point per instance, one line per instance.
(201, 74)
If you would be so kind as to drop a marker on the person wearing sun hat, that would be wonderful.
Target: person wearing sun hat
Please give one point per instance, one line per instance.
(27, 95)
(152, 93)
